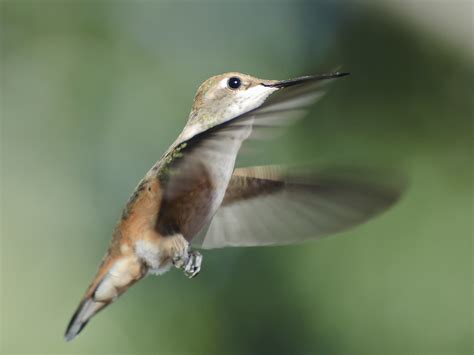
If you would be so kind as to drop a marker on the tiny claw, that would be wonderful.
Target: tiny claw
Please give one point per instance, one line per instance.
(193, 266)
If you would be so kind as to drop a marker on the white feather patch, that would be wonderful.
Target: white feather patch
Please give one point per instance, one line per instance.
(150, 253)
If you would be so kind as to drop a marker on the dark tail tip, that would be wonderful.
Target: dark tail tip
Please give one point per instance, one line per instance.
(73, 330)
(79, 320)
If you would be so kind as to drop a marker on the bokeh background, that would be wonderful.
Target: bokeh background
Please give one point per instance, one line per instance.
(93, 92)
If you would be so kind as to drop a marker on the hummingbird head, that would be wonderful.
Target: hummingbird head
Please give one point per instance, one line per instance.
(223, 97)
(226, 96)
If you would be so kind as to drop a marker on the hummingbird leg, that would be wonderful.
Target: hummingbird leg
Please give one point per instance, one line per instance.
(180, 260)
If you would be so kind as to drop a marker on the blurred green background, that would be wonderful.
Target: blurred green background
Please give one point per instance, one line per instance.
(93, 92)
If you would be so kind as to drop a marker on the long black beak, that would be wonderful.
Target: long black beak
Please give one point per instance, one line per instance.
(304, 79)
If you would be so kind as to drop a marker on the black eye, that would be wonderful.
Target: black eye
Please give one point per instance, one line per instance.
(234, 83)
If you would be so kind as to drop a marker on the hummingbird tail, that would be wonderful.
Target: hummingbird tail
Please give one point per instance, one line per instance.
(114, 277)
(87, 308)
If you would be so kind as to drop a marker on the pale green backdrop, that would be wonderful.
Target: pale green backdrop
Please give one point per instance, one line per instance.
(93, 92)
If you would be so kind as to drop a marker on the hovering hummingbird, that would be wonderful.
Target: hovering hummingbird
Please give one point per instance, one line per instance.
(194, 195)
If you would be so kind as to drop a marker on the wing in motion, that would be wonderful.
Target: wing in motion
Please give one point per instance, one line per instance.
(270, 206)
(195, 164)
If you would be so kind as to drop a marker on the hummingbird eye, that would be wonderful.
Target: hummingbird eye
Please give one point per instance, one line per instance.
(234, 83)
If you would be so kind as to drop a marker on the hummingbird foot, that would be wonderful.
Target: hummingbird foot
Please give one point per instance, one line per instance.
(193, 264)
(189, 261)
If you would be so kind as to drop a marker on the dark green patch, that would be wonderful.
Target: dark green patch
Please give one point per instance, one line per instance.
(168, 160)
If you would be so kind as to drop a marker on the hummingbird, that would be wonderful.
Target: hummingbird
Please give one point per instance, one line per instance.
(195, 198)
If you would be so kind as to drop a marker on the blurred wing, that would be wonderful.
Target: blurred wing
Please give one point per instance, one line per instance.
(269, 206)
(189, 173)
(188, 159)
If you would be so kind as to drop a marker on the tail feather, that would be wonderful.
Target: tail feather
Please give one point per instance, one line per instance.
(79, 320)
(114, 277)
